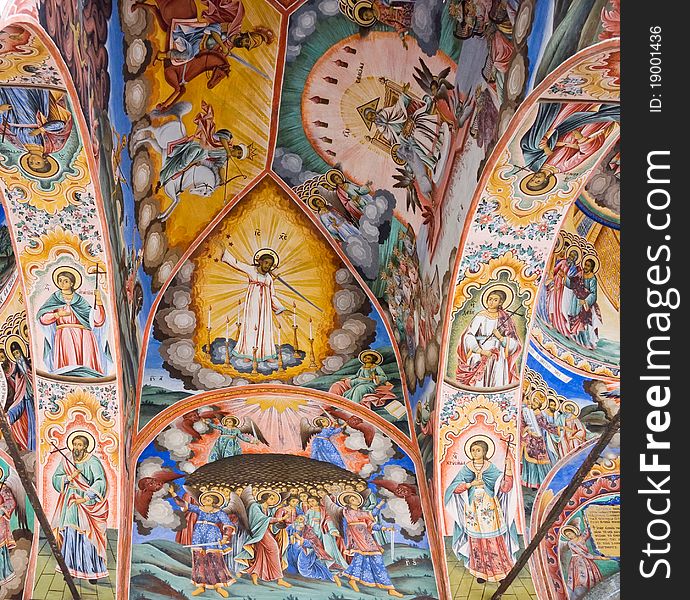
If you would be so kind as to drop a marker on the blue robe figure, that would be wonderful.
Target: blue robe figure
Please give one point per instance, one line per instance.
(305, 554)
(320, 434)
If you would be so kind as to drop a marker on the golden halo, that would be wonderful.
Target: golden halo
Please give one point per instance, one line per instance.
(331, 175)
(506, 289)
(397, 159)
(544, 398)
(214, 494)
(8, 345)
(343, 498)
(230, 418)
(571, 407)
(357, 13)
(54, 166)
(576, 249)
(595, 259)
(318, 421)
(77, 276)
(556, 400)
(550, 184)
(82, 432)
(480, 438)
(270, 252)
(377, 355)
(272, 500)
(572, 528)
(311, 201)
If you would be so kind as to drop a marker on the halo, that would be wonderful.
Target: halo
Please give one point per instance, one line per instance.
(272, 494)
(8, 344)
(269, 251)
(572, 528)
(555, 399)
(480, 438)
(214, 494)
(595, 259)
(227, 418)
(545, 402)
(342, 498)
(77, 276)
(87, 434)
(318, 420)
(576, 249)
(54, 167)
(2, 474)
(331, 174)
(378, 355)
(510, 294)
(550, 184)
(397, 159)
(357, 13)
(571, 406)
(311, 201)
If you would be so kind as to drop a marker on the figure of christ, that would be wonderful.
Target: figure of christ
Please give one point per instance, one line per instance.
(212, 530)
(261, 553)
(260, 303)
(71, 346)
(481, 501)
(22, 413)
(81, 513)
(489, 347)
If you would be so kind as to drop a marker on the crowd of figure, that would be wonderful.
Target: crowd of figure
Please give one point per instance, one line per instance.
(569, 303)
(551, 429)
(325, 532)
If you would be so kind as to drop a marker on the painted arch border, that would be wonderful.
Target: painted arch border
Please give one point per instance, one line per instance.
(24, 14)
(517, 121)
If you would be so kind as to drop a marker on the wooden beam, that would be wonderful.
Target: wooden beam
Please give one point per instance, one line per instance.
(560, 505)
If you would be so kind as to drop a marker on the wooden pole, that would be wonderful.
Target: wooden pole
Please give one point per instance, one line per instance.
(560, 505)
(31, 493)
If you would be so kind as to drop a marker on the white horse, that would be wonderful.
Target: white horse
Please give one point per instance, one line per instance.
(200, 179)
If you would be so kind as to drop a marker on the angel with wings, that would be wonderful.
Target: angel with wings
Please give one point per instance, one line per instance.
(320, 433)
(366, 555)
(212, 529)
(232, 432)
(12, 500)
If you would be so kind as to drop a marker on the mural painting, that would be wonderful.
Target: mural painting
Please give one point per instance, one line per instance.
(277, 490)
(308, 299)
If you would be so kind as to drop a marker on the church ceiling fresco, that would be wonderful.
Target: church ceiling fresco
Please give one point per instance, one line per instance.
(298, 268)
